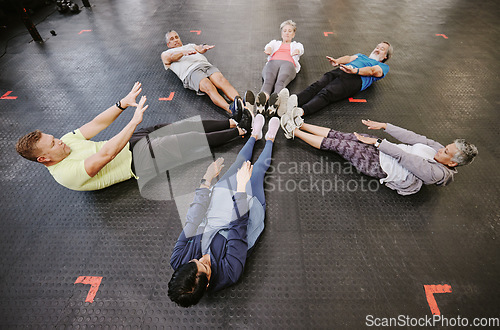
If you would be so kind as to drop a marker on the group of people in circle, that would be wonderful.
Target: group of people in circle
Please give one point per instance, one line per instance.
(227, 217)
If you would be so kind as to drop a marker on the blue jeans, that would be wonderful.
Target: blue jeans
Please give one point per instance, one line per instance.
(255, 186)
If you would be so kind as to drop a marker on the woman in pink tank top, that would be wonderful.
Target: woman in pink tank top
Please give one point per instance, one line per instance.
(281, 67)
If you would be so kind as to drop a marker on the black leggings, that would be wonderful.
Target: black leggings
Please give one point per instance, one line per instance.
(217, 132)
(333, 86)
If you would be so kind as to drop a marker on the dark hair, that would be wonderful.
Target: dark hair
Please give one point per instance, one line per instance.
(186, 287)
(26, 146)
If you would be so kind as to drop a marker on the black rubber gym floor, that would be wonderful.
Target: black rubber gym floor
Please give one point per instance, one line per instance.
(347, 258)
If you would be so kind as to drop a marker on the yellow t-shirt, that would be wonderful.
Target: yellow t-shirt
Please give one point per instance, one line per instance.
(70, 172)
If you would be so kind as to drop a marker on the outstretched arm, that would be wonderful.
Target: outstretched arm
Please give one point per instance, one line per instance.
(341, 60)
(104, 119)
(202, 49)
(373, 71)
(110, 149)
(174, 56)
(234, 260)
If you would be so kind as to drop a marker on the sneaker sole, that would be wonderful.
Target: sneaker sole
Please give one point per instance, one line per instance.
(273, 99)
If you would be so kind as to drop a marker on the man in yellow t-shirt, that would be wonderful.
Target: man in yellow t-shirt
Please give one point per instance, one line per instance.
(80, 164)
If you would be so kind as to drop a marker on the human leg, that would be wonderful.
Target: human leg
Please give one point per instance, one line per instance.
(222, 83)
(316, 130)
(364, 157)
(219, 138)
(307, 94)
(228, 180)
(259, 171)
(269, 74)
(311, 139)
(342, 87)
(286, 74)
(207, 87)
(142, 132)
(216, 125)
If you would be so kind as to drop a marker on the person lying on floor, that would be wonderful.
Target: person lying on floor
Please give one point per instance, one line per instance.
(353, 73)
(402, 167)
(281, 68)
(222, 224)
(80, 164)
(196, 72)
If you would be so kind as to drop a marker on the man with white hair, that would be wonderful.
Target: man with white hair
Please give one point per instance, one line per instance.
(196, 73)
(352, 74)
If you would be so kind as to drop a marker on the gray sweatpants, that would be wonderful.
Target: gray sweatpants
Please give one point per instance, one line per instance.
(277, 74)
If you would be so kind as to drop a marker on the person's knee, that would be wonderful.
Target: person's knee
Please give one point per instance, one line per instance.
(331, 94)
(218, 79)
(206, 86)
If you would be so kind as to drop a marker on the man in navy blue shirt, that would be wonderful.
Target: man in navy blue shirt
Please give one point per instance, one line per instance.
(223, 223)
(353, 74)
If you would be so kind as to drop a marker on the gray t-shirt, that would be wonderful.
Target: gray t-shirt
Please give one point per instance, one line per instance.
(183, 67)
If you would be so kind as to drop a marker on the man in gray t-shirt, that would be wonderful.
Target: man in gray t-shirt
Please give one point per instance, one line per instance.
(196, 73)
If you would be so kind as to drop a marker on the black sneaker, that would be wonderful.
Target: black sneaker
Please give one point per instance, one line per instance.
(260, 103)
(272, 105)
(236, 109)
(249, 101)
(246, 121)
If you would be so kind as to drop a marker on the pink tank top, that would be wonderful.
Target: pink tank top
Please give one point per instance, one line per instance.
(283, 54)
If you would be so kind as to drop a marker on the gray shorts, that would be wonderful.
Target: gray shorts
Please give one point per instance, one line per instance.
(192, 80)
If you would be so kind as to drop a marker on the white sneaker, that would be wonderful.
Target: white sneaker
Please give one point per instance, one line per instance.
(257, 125)
(288, 126)
(272, 128)
(297, 116)
(283, 96)
(292, 103)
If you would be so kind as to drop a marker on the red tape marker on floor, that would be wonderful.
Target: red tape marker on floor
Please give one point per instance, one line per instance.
(430, 290)
(357, 100)
(94, 282)
(5, 97)
(198, 32)
(169, 98)
(327, 33)
(84, 31)
(442, 35)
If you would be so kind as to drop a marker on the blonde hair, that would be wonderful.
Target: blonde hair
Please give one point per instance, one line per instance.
(289, 22)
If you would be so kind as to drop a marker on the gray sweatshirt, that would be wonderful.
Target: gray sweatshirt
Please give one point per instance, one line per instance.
(427, 171)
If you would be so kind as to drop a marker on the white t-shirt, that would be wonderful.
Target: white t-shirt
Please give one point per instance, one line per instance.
(394, 170)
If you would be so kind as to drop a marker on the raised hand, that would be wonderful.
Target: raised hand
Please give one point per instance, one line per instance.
(139, 111)
(365, 139)
(333, 61)
(214, 169)
(349, 69)
(374, 124)
(129, 100)
(243, 175)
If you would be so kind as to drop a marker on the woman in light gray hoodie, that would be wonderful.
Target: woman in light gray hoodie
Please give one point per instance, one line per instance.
(403, 167)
